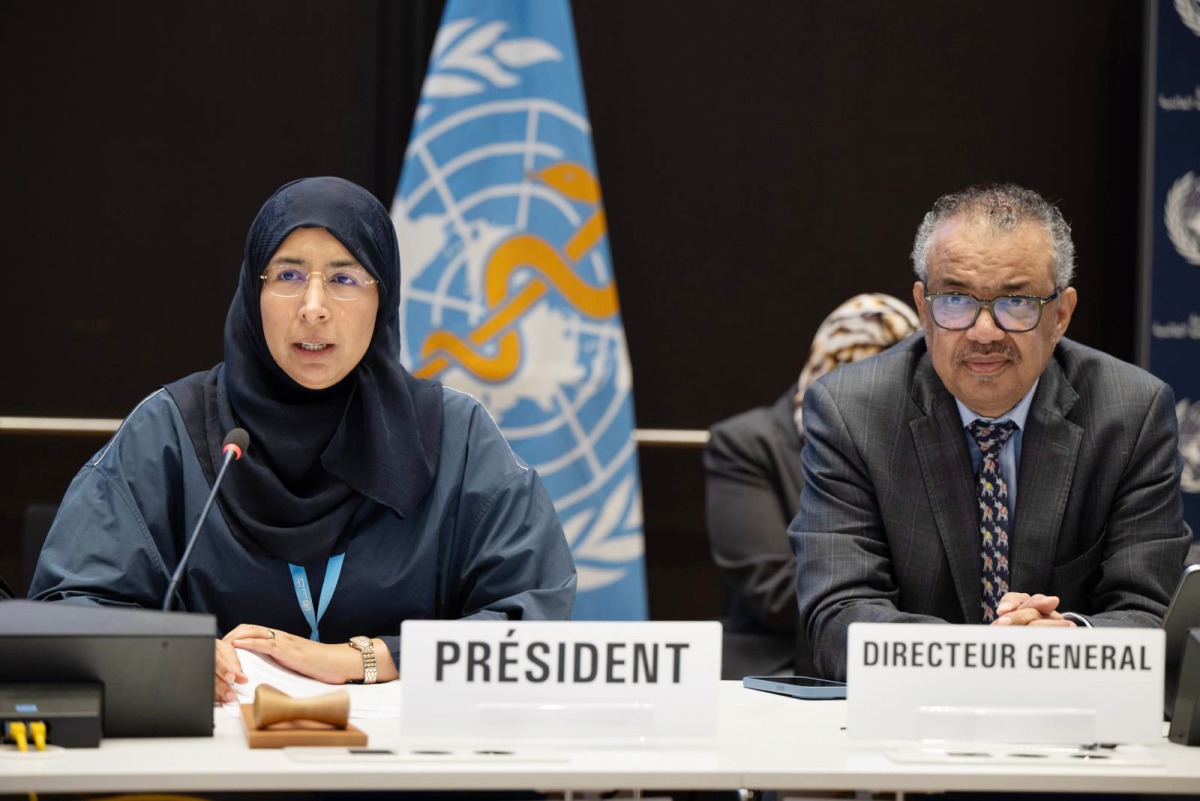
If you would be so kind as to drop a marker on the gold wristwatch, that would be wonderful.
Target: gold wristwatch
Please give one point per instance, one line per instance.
(364, 645)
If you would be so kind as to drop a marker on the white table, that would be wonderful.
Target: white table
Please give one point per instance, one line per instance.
(764, 741)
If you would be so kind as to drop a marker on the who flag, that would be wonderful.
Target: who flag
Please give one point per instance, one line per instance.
(508, 291)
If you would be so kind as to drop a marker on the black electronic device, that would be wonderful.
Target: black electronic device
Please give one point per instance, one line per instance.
(156, 668)
(806, 687)
(1185, 722)
(70, 712)
(1182, 616)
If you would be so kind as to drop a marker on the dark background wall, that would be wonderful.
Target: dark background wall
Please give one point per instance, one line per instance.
(761, 162)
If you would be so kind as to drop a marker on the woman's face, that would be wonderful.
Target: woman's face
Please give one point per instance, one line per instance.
(315, 338)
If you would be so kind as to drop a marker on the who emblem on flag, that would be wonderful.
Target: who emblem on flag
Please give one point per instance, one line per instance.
(508, 290)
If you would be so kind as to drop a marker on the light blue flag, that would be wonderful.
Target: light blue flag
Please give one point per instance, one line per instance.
(508, 289)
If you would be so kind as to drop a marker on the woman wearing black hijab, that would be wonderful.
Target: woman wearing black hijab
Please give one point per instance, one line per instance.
(366, 497)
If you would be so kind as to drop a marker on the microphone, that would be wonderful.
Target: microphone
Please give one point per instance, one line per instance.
(234, 447)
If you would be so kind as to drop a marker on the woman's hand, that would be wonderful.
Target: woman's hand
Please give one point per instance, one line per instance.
(228, 673)
(334, 663)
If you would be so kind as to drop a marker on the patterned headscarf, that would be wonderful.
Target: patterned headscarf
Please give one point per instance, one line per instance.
(862, 326)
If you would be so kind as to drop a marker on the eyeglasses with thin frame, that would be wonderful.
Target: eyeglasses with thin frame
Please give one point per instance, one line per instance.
(342, 283)
(1016, 314)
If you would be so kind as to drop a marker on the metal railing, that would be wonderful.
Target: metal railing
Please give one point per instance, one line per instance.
(58, 425)
(86, 426)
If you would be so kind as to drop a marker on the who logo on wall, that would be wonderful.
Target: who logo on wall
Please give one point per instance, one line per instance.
(508, 289)
(1171, 259)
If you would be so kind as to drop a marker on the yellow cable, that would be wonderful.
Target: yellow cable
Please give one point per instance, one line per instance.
(38, 729)
(17, 732)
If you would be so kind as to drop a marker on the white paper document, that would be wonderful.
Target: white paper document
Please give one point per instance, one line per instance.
(366, 700)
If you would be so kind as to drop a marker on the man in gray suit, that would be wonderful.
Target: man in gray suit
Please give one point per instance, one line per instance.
(988, 470)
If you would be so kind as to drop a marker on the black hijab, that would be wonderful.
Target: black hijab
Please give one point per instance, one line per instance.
(314, 454)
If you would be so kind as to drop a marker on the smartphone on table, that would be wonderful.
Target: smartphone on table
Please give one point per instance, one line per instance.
(797, 686)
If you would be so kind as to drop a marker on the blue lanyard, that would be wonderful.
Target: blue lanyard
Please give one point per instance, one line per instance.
(333, 571)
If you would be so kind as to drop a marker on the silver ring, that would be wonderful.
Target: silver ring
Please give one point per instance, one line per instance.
(271, 634)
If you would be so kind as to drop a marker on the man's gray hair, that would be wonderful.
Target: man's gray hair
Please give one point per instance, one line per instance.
(1003, 207)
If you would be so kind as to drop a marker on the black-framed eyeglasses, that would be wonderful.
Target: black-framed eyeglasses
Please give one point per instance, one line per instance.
(1016, 314)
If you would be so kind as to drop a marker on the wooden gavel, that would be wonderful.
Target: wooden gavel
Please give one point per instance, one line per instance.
(274, 706)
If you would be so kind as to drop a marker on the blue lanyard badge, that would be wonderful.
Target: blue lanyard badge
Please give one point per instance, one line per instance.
(333, 570)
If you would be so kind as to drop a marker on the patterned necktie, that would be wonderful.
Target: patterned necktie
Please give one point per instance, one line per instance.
(995, 519)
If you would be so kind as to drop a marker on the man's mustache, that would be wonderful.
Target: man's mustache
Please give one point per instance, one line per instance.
(995, 349)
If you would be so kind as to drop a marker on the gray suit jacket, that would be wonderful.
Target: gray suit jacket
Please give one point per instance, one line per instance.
(888, 529)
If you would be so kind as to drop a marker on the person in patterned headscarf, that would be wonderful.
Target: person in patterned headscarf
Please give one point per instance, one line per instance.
(752, 492)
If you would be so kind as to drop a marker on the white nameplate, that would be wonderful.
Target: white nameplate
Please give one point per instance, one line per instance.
(1004, 684)
(553, 679)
